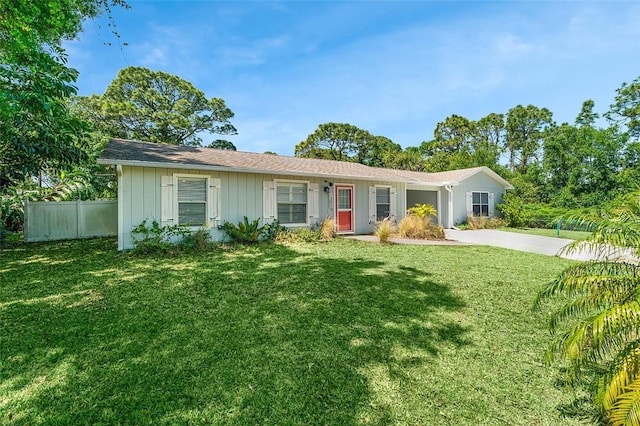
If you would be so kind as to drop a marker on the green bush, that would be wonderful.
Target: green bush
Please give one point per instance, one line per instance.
(155, 238)
(519, 214)
(271, 231)
(244, 232)
(197, 241)
(514, 211)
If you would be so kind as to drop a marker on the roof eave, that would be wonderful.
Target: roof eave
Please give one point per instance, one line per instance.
(191, 166)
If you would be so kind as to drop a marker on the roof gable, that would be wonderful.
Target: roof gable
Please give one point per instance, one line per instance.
(149, 154)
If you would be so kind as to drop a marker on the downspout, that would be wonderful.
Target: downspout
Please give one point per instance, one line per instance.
(120, 208)
(449, 189)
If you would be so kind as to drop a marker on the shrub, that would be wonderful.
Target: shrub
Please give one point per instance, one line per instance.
(483, 222)
(197, 241)
(300, 235)
(423, 210)
(245, 232)
(271, 231)
(328, 229)
(385, 231)
(155, 238)
(514, 211)
(416, 227)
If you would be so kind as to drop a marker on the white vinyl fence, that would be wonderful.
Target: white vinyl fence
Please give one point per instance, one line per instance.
(69, 220)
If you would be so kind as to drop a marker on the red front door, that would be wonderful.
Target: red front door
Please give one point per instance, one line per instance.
(344, 208)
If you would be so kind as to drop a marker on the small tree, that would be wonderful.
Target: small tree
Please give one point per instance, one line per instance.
(596, 328)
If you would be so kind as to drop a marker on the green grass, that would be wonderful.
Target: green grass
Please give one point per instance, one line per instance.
(572, 235)
(329, 333)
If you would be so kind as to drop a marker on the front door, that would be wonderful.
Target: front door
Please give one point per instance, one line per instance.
(344, 208)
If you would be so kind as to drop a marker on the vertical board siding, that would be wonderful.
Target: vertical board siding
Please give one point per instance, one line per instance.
(68, 220)
(241, 195)
(478, 182)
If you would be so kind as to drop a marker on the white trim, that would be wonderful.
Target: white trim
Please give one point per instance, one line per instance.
(207, 200)
(275, 197)
(268, 201)
(439, 207)
(470, 203)
(391, 212)
(167, 195)
(214, 205)
(353, 207)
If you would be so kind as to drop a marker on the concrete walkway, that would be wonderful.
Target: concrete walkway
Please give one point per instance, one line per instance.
(534, 244)
(549, 246)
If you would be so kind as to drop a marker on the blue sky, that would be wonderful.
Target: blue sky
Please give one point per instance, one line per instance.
(395, 68)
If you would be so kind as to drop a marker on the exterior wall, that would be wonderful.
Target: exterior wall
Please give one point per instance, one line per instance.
(139, 198)
(477, 182)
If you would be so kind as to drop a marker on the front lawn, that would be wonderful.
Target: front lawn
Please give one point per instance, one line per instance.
(344, 332)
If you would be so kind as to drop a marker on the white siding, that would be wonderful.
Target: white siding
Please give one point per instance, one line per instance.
(240, 194)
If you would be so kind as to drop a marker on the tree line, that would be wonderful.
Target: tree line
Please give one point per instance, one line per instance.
(579, 164)
(50, 137)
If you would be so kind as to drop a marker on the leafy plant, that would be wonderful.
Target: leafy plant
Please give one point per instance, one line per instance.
(197, 241)
(271, 231)
(514, 211)
(423, 210)
(155, 238)
(596, 329)
(300, 235)
(385, 231)
(245, 232)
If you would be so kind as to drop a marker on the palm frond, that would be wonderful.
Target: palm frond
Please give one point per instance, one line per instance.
(626, 409)
(601, 336)
(625, 371)
(592, 277)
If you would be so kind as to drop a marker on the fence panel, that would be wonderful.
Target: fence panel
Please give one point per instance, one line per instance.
(69, 220)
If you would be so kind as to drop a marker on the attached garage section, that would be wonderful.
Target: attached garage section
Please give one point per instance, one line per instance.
(424, 196)
(415, 196)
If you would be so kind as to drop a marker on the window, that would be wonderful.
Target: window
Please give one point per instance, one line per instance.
(192, 201)
(480, 203)
(292, 202)
(383, 203)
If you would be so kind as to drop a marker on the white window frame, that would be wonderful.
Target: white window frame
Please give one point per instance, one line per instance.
(488, 203)
(390, 212)
(289, 181)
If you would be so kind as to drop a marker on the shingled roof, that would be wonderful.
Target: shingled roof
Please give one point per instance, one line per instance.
(148, 154)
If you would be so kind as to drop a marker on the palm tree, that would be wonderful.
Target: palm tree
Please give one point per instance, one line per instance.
(597, 327)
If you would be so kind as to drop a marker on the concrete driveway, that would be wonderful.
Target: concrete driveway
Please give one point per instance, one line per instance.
(524, 242)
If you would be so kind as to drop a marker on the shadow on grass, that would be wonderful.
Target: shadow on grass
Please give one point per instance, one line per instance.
(258, 335)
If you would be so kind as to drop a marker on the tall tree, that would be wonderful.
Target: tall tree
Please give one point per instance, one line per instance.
(36, 128)
(409, 159)
(582, 163)
(489, 140)
(334, 141)
(222, 144)
(459, 143)
(376, 151)
(158, 107)
(451, 146)
(626, 108)
(525, 128)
